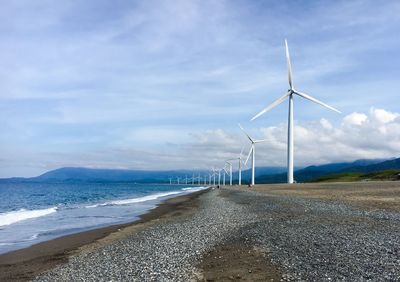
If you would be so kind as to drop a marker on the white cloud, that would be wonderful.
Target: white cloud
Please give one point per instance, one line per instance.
(325, 123)
(315, 142)
(383, 116)
(355, 119)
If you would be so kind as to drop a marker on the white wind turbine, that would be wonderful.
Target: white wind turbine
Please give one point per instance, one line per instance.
(252, 152)
(289, 94)
(239, 166)
(230, 171)
(213, 175)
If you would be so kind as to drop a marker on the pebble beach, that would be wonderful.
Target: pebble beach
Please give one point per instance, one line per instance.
(241, 234)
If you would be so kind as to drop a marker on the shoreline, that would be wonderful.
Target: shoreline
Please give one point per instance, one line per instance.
(26, 263)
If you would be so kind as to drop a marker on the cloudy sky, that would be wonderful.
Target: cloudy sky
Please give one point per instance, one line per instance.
(163, 84)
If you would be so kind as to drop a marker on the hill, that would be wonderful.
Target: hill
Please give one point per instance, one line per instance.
(263, 174)
(312, 173)
(79, 174)
(388, 175)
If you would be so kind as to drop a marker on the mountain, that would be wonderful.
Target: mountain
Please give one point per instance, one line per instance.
(387, 175)
(79, 174)
(385, 165)
(263, 174)
(311, 173)
(264, 170)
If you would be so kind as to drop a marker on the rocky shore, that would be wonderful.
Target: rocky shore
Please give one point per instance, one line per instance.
(287, 238)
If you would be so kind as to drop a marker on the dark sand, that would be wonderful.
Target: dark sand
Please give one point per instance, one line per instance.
(238, 261)
(25, 264)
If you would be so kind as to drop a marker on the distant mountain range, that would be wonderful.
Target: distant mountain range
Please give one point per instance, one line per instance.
(263, 174)
(313, 173)
(79, 174)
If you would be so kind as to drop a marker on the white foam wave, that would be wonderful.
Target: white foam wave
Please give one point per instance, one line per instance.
(194, 188)
(6, 244)
(33, 237)
(135, 200)
(8, 218)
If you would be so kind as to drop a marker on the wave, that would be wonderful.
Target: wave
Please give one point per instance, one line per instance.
(193, 188)
(8, 218)
(135, 200)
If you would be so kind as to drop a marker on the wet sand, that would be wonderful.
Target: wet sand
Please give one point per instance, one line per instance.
(25, 264)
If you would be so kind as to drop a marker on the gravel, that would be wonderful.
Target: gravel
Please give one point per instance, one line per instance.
(163, 252)
(309, 240)
(315, 240)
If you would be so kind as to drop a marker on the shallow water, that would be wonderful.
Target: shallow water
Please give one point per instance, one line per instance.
(36, 212)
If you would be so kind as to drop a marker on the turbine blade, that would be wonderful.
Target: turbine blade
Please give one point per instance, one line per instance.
(248, 136)
(273, 105)
(241, 152)
(259, 141)
(289, 65)
(316, 101)
(248, 156)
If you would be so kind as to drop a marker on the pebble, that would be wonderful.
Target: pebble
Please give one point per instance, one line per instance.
(308, 239)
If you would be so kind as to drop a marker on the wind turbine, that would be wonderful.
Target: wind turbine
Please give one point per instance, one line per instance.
(252, 152)
(289, 94)
(239, 166)
(213, 175)
(230, 172)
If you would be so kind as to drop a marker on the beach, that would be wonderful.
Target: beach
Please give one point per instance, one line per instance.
(311, 232)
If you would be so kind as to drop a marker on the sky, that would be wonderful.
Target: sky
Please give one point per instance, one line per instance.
(163, 84)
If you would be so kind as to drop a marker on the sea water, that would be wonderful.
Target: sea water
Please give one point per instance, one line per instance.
(34, 212)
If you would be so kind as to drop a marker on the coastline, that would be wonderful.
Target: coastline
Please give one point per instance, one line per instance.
(26, 263)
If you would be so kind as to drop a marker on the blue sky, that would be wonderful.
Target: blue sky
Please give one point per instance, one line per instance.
(163, 84)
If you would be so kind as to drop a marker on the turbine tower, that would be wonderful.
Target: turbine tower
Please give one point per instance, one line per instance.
(253, 154)
(213, 175)
(289, 94)
(230, 172)
(239, 166)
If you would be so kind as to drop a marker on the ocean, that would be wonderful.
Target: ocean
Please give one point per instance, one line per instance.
(34, 212)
